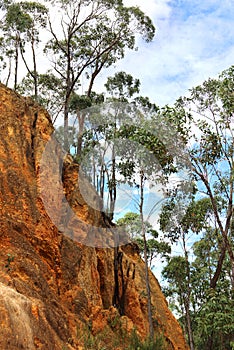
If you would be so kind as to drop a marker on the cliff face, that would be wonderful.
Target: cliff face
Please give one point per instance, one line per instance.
(57, 274)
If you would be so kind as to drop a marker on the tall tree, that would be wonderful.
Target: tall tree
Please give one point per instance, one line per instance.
(211, 153)
(213, 319)
(38, 19)
(94, 35)
(15, 23)
(146, 159)
(179, 289)
(211, 310)
(121, 86)
(181, 215)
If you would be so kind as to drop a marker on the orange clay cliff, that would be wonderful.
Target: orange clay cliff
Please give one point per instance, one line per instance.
(57, 286)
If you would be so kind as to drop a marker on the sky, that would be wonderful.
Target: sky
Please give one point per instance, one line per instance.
(194, 41)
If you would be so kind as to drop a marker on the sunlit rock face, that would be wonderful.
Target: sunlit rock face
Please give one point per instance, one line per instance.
(57, 279)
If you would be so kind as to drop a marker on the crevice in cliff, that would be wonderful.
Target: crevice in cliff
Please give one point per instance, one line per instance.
(33, 135)
(120, 287)
(57, 266)
(103, 288)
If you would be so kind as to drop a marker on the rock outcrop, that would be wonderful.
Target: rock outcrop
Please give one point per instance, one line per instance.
(58, 282)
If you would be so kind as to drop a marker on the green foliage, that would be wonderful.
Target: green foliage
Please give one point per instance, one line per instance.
(209, 209)
(182, 215)
(144, 135)
(215, 321)
(10, 259)
(50, 92)
(116, 337)
(211, 309)
(175, 272)
(155, 247)
(158, 343)
(122, 86)
(94, 35)
(4, 4)
(16, 19)
(132, 224)
(78, 102)
(21, 26)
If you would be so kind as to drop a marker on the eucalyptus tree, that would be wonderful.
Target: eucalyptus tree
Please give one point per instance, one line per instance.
(2, 56)
(155, 247)
(38, 21)
(211, 309)
(80, 107)
(213, 317)
(93, 35)
(207, 209)
(49, 92)
(99, 141)
(181, 217)
(21, 25)
(176, 289)
(147, 161)
(121, 87)
(211, 153)
(15, 22)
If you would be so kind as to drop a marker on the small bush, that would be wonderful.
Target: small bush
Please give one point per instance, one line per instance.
(158, 343)
(115, 337)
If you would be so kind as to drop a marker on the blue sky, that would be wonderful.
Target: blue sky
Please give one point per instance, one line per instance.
(194, 41)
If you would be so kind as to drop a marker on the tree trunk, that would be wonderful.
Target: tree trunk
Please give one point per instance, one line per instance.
(16, 63)
(209, 342)
(9, 73)
(69, 89)
(102, 181)
(189, 324)
(232, 275)
(218, 270)
(81, 120)
(66, 139)
(94, 75)
(94, 174)
(35, 75)
(112, 186)
(187, 298)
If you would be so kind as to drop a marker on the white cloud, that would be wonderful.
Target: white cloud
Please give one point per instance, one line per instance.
(194, 41)
(154, 9)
